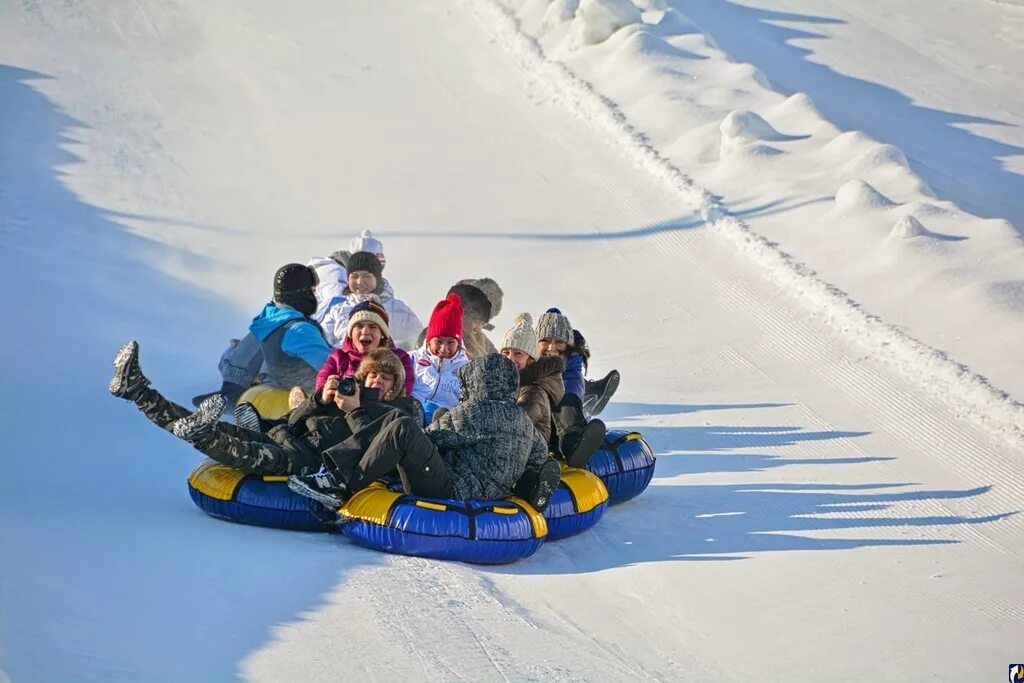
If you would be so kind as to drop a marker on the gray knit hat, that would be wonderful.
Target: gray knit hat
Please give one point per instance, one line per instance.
(554, 325)
(521, 336)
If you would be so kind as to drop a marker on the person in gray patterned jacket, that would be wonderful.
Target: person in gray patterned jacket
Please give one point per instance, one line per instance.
(476, 451)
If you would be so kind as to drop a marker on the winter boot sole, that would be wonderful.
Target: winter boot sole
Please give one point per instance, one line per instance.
(593, 404)
(198, 400)
(590, 441)
(200, 423)
(247, 417)
(126, 362)
(547, 481)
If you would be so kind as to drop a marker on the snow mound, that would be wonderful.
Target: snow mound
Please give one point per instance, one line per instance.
(857, 195)
(597, 20)
(743, 128)
(675, 23)
(742, 72)
(559, 12)
(908, 228)
(878, 155)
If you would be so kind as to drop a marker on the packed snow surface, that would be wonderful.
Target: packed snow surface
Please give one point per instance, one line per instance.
(793, 229)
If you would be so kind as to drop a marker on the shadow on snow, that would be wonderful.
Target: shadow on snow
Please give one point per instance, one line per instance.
(108, 571)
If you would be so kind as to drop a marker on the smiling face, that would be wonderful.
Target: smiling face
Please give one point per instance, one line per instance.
(381, 380)
(518, 357)
(366, 337)
(361, 282)
(443, 347)
(551, 347)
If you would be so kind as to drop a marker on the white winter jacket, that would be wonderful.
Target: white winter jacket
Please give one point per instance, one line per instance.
(333, 281)
(435, 378)
(405, 326)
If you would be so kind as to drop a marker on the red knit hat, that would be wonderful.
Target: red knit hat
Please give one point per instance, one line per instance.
(446, 320)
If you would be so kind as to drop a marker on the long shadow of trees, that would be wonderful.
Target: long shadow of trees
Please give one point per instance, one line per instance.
(675, 520)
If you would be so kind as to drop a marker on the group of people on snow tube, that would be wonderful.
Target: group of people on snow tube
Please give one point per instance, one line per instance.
(455, 419)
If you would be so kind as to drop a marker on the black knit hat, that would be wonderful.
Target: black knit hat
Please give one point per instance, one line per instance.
(366, 262)
(475, 304)
(294, 277)
(293, 285)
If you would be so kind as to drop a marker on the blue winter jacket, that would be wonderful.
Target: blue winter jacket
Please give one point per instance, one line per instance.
(302, 340)
(572, 377)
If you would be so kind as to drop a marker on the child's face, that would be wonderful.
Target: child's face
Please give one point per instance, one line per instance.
(361, 282)
(380, 380)
(366, 337)
(443, 347)
(551, 347)
(516, 356)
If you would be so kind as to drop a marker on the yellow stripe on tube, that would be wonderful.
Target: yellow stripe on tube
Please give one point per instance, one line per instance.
(537, 521)
(215, 480)
(270, 402)
(372, 504)
(587, 488)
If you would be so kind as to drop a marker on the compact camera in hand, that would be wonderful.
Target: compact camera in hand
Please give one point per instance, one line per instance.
(347, 386)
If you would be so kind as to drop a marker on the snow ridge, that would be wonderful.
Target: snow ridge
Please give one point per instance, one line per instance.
(970, 395)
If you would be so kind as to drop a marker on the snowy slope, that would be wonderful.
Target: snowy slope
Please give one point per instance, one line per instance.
(815, 516)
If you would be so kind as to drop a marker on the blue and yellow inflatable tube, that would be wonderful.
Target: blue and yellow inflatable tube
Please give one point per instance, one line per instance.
(228, 493)
(625, 463)
(270, 402)
(577, 504)
(478, 532)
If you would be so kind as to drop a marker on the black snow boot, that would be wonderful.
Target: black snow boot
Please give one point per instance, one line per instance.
(537, 485)
(597, 393)
(247, 417)
(199, 426)
(579, 444)
(128, 379)
(327, 488)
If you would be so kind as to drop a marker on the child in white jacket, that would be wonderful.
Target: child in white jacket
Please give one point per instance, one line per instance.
(365, 282)
(435, 363)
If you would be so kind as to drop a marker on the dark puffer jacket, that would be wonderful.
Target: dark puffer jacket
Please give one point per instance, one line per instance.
(313, 427)
(540, 390)
(487, 440)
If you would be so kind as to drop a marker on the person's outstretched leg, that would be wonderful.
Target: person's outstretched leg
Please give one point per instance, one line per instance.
(577, 438)
(402, 444)
(130, 384)
(227, 444)
(399, 444)
(599, 392)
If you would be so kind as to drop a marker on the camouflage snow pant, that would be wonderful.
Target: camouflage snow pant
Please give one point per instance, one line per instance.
(245, 449)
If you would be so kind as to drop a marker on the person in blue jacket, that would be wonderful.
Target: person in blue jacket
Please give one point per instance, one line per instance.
(285, 347)
(578, 438)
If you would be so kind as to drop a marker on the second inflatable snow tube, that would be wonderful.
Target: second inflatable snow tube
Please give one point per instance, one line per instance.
(270, 402)
(478, 532)
(577, 504)
(228, 493)
(625, 463)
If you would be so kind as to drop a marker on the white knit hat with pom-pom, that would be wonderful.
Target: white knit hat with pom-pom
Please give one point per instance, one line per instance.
(521, 336)
(367, 242)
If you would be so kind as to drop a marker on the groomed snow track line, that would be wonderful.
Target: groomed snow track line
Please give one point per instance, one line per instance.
(969, 395)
